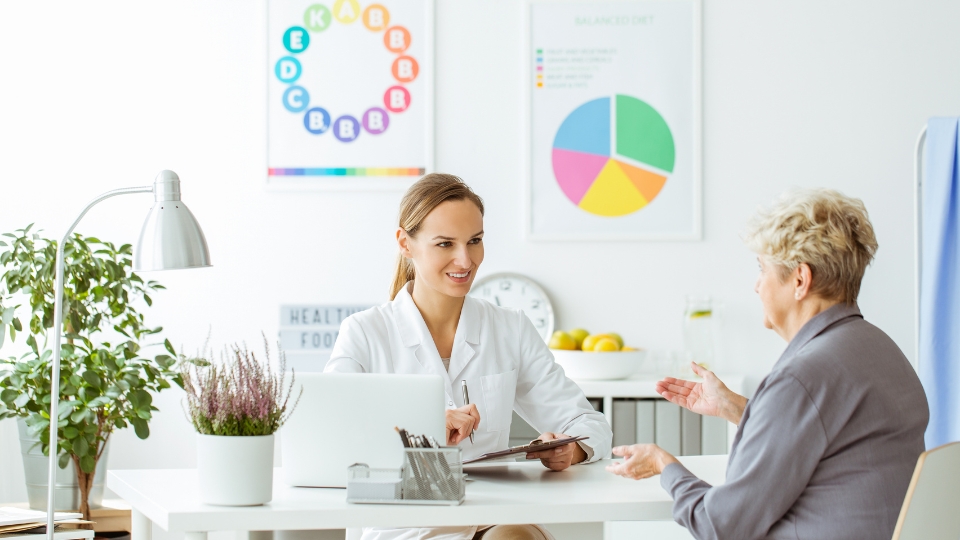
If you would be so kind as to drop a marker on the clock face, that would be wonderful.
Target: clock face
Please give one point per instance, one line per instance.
(519, 292)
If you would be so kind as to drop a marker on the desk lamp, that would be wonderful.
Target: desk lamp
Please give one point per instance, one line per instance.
(170, 239)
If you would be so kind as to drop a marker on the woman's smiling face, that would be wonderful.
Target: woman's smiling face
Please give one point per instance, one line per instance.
(448, 248)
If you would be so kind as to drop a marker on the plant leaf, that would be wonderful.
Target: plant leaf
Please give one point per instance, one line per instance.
(78, 414)
(9, 395)
(65, 407)
(92, 378)
(21, 400)
(141, 428)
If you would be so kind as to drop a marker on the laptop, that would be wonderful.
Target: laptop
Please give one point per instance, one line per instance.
(347, 418)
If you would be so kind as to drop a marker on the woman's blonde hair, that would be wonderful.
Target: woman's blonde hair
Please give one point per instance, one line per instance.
(823, 228)
(422, 197)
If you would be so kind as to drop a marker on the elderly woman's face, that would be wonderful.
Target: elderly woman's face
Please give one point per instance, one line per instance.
(776, 295)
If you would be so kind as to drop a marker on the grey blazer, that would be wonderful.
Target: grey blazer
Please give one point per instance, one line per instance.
(825, 449)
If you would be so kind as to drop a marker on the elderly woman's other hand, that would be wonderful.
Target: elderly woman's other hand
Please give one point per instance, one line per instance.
(710, 397)
(642, 461)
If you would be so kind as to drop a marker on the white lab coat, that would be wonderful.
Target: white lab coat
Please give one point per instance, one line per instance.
(507, 367)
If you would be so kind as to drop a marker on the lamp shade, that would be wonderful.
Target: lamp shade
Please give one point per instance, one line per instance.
(171, 238)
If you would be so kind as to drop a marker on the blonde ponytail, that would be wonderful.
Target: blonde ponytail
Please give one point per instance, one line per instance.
(422, 197)
(401, 275)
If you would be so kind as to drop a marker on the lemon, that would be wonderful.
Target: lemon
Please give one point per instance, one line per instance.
(628, 348)
(562, 340)
(578, 335)
(616, 337)
(590, 341)
(606, 345)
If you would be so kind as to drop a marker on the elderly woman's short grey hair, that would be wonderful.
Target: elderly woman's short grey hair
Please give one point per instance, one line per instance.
(823, 228)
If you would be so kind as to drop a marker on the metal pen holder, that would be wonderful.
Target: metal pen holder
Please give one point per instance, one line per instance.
(428, 476)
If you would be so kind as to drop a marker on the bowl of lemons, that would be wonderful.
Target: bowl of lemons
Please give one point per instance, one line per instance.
(587, 356)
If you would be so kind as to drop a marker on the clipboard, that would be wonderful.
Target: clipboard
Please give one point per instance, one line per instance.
(534, 446)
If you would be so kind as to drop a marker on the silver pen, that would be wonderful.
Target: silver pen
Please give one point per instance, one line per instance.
(466, 401)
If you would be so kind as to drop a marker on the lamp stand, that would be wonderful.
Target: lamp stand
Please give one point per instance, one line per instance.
(53, 444)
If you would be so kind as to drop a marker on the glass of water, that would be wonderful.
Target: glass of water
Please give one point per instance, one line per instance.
(699, 332)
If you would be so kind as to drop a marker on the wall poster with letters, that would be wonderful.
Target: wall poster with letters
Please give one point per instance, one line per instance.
(350, 93)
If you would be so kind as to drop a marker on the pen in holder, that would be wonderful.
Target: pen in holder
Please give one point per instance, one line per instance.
(428, 476)
(432, 474)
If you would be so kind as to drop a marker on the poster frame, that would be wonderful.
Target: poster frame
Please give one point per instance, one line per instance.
(526, 114)
(369, 183)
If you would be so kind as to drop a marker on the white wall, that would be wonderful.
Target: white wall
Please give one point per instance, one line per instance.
(100, 95)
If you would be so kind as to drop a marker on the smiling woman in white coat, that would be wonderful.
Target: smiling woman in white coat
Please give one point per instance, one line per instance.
(431, 326)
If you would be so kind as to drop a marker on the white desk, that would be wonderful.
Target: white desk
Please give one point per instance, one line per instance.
(513, 493)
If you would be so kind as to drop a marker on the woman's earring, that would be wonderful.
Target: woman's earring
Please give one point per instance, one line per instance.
(797, 296)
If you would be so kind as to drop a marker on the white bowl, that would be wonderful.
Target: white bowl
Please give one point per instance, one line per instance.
(599, 365)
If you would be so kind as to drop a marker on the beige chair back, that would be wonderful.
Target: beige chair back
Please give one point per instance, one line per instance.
(931, 509)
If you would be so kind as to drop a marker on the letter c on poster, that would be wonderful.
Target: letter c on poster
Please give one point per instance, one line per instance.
(296, 99)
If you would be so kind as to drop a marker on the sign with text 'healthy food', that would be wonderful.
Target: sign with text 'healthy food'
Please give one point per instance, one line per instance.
(350, 93)
(313, 327)
(308, 332)
(614, 120)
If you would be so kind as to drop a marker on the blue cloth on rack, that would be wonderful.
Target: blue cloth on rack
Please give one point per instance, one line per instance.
(939, 362)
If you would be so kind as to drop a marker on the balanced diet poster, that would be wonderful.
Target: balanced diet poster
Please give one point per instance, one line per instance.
(614, 120)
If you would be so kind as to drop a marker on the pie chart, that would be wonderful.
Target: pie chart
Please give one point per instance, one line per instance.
(612, 155)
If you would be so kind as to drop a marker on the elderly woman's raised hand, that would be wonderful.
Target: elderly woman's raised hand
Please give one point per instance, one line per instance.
(710, 397)
(641, 461)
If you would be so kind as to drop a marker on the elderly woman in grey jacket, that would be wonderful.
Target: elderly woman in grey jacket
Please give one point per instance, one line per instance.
(827, 446)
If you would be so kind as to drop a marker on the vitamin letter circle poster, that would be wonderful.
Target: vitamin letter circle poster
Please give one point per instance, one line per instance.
(614, 126)
(349, 93)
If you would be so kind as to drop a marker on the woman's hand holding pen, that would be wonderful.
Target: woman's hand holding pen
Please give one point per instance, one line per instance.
(560, 458)
(461, 422)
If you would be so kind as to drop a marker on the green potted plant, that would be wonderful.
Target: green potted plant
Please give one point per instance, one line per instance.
(236, 406)
(106, 383)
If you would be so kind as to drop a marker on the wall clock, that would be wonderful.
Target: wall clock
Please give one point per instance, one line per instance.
(519, 292)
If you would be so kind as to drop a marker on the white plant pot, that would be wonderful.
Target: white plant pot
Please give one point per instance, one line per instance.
(235, 471)
(66, 490)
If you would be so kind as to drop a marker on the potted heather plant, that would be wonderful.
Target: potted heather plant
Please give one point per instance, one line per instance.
(236, 406)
